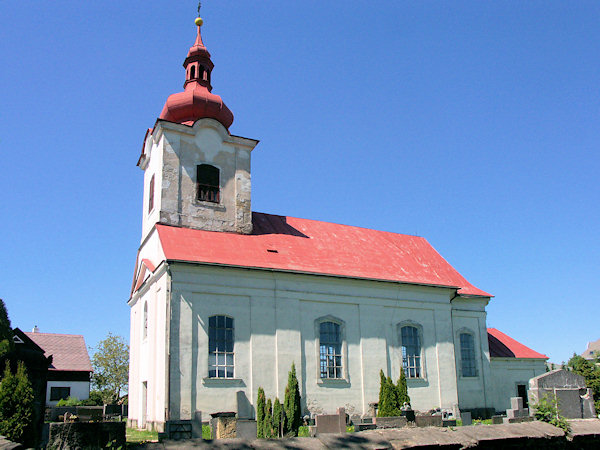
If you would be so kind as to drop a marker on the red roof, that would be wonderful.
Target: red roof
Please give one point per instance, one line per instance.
(68, 351)
(503, 346)
(310, 246)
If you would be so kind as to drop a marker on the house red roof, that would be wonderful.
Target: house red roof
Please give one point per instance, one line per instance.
(68, 351)
(310, 246)
(503, 346)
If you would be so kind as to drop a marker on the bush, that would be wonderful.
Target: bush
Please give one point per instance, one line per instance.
(591, 373)
(292, 404)
(16, 405)
(260, 413)
(547, 411)
(70, 401)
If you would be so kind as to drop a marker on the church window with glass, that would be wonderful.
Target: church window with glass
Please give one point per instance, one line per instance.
(467, 355)
(220, 347)
(411, 351)
(330, 350)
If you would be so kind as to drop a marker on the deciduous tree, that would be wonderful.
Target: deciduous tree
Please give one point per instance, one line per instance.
(111, 368)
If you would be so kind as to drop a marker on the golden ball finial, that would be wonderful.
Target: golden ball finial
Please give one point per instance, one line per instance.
(199, 21)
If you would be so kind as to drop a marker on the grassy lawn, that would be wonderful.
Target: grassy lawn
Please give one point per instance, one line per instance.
(135, 436)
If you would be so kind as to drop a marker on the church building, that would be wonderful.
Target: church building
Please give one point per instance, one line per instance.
(225, 299)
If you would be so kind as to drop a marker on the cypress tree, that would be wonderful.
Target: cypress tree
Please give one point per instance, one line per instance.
(16, 404)
(268, 421)
(260, 413)
(292, 404)
(382, 405)
(402, 390)
(277, 417)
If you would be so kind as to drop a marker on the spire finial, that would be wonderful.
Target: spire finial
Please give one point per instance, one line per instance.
(199, 20)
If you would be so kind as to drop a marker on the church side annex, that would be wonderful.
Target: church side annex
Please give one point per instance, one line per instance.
(225, 299)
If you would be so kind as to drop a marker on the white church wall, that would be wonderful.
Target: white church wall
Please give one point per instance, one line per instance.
(275, 316)
(147, 369)
(507, 373)
(153, 165)
(468, 316)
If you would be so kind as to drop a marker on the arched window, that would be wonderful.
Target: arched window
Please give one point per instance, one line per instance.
(220, 347)
(145, 325)
(411, 351)
(330, 350)
(201, 72)
(192, 72)
(468, 363)
(207, 183)
(151, 195)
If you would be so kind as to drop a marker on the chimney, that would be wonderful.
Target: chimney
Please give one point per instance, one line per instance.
(35, 329)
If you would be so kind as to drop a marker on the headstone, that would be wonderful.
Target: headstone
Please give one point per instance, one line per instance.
(90, 413)
(465, 416)
(391, 422)
(197, 425)
(567, 387)
(434, 420)
(364, 426)
(589, 410)
(448, 422)
(244, 408)
(245, 429)
(497, 420)
(516, 413)
(372, 409)
(331, 423)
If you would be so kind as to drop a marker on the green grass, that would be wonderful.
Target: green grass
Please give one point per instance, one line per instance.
(482, 421)
(206, 432)
(135, 436)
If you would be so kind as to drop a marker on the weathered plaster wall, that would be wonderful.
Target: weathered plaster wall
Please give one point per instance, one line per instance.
(174, 153)
(507, 373)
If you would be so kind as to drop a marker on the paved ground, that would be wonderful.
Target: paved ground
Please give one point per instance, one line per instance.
(586, 434)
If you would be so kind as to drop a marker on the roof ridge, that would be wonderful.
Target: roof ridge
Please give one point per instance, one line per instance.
(37, 333)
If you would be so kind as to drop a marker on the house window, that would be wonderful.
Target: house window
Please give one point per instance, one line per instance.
(220, 347)
(207, 183)
(411, 351)
(330, 350)
(467, 355)
(145, 320)
(151, 195)
(59, 393)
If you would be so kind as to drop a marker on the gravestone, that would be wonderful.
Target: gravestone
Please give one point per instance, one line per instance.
(223, 425)
(574, 398)
(331, 423)
(244, 408)
(391, 422)
(497, 420)
(466, 418)
(197, 425)
(90, 413)
(245, 429)
(434, 420)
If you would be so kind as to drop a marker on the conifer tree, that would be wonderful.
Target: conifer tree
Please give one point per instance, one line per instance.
(292, 404)
(260, 413)
(268, 420)
(402, 389)
(16, 405)
(6, 334)
(382, 406)
(277, 418)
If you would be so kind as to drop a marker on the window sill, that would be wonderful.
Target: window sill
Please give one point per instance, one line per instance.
(333, 382)
(417, 382)
(223, 382)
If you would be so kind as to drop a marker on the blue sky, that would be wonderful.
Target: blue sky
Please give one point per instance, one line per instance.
(473, 124)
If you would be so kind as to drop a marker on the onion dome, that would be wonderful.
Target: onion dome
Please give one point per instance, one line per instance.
(197, 101)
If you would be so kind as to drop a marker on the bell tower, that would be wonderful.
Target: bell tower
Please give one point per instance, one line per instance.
(196, 173)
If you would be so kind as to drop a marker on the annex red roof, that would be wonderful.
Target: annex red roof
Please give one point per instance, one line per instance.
(503, 346)
(310, 246)
(68, 351)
